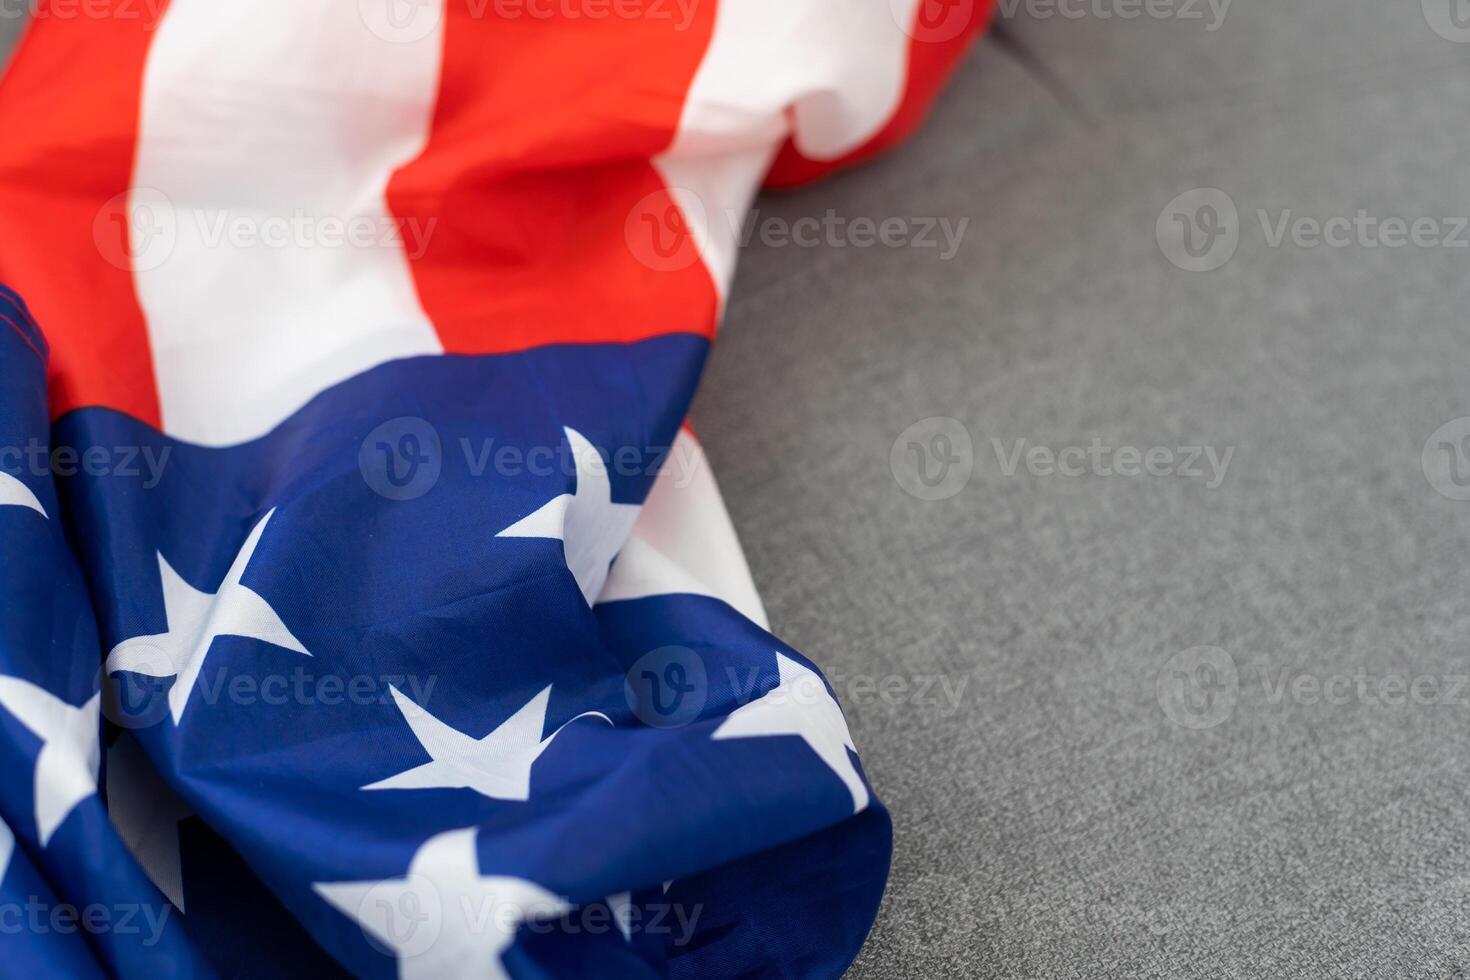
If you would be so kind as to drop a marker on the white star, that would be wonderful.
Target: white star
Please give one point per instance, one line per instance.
(7, 848)
(444, 918)
(497, 766)
(66, 768)
(620, 904)
(801, 706)
(590, 526)
(146, 812)
(13, 493)
(195, 618)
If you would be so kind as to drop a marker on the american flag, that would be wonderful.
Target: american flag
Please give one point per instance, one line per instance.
(368, 606)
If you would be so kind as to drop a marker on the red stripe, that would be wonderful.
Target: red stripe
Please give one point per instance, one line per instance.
(537, 156)
(69, 115)
(533, 187)
(942, 32)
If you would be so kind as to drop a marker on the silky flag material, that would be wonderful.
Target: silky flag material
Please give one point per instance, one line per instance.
(368, 607)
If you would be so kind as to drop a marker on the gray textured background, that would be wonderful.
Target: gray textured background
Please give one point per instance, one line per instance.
(1057, 823)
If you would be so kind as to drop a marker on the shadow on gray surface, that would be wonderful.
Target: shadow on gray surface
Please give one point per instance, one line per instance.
(1057, 821)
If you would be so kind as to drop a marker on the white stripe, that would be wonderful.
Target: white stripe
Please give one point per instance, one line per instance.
(266, 128)
(683, 541)
(714, 194)
(829, 73)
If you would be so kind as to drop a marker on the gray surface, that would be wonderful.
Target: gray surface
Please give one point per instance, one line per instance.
(10, 25)
(1058, 824)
